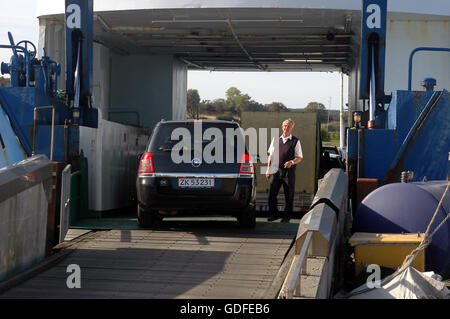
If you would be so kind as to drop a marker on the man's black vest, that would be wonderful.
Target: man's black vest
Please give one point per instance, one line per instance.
(287, 151)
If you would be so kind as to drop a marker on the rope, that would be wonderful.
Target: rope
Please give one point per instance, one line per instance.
(423, 244)
(435, 213)
(425, 241)
(440, 225)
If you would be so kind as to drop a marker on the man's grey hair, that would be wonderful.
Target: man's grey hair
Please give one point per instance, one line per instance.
(290, 121)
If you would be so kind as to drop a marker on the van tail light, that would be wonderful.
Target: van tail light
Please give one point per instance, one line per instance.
(146, 164)
(246, 165)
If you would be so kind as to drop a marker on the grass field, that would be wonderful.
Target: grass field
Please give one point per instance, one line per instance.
(331, 142)
(333, 134)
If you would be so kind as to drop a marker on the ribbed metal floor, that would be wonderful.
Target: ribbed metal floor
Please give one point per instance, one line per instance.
(167, 264)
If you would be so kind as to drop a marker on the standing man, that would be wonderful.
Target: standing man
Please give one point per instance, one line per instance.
(284, 154)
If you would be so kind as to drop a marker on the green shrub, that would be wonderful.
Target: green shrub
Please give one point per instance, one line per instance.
(227, 116)
(324, 134)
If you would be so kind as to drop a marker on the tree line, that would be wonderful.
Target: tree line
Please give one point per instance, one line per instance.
(4, 81)
(236, 102)
(230, 107)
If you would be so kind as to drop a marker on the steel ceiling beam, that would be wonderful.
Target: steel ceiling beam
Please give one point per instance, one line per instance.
(191, 63)
(259, 42)
(264, 60)
(255, 54)
(242, 46)
(174, 21)
(106, 27)
(254, 46)
(235, 50)
(166, 35)
(251, 47)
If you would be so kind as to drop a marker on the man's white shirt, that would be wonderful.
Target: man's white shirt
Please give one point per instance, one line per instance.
(298, 146)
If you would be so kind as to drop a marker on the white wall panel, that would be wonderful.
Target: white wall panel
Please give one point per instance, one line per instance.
(403, 36)
(154, 86)
(179, 89)
(100, 86)
(52, 43)
(23, 220)
(112, 150)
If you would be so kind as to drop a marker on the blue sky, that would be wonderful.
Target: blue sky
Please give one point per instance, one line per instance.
(19, 17)
(294, 89)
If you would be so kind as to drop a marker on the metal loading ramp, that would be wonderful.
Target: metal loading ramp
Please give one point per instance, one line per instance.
(166, 264)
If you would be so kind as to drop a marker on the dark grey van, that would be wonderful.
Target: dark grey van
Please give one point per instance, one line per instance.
(196, 165)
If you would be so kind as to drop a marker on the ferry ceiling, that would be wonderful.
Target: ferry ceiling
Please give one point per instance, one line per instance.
(242, 39)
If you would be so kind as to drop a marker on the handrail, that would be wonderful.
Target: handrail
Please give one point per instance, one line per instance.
(53, 128)
(13, 47)
(411, 58)
(293, 281)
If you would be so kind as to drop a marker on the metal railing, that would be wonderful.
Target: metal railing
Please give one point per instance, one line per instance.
(411, 59)
(292, 285)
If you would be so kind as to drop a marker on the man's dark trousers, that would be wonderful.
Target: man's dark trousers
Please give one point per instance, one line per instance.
(285, 177)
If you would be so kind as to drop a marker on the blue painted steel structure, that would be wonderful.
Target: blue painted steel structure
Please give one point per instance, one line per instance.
(373, 35)
(411, 134)
(19, 104)
(416, 138)
(79, 33)
(11, 151)
(33, 84)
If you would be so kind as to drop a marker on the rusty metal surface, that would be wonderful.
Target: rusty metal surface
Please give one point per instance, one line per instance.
(364, 186)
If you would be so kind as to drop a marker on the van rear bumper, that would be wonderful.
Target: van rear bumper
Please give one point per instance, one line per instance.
(150, 195)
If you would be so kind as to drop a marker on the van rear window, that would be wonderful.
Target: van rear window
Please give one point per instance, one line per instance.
(189, 135)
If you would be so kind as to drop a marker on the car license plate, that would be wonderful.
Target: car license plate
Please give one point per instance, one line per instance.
(196, 182)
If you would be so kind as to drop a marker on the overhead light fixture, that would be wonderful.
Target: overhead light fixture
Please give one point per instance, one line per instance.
(303, 60)
(138, 28)
(301, 53)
